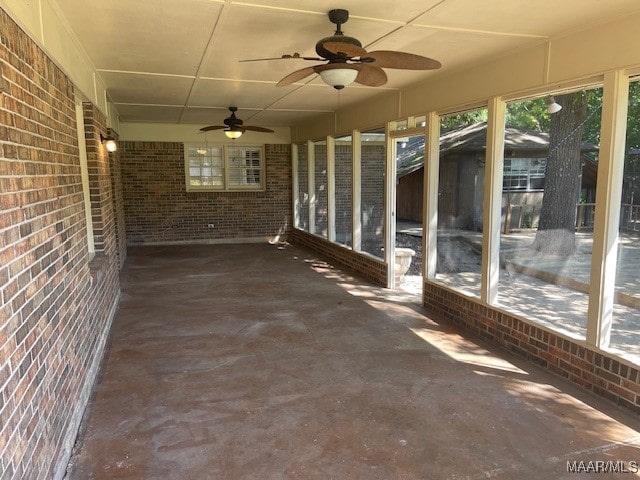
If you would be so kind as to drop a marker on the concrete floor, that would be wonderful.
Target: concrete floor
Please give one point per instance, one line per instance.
(258, 362)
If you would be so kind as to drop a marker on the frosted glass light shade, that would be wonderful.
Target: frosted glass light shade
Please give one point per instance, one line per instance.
(111, 145)
(339, 78)
(233, 133)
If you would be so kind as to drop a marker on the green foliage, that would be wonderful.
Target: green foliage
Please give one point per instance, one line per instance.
(532, 115)
(591, 131)
(633, 117)
(529, 115)
(457, 120)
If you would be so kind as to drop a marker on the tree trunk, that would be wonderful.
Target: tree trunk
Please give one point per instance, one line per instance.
(556, 229)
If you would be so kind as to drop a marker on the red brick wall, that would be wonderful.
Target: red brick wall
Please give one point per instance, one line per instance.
(367, 267)
(595, 371)
(54, 308)
(158, 209)
(117, 197)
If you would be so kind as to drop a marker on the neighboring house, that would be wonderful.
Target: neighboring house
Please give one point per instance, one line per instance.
(461, 179)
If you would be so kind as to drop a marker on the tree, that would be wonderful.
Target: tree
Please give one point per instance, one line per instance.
(457, 120)
(556, 229)
(529, 115)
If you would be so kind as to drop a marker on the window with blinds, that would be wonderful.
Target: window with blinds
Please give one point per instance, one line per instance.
(523, 174)
(223, 167)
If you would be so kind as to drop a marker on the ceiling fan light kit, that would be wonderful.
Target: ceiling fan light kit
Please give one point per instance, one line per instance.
(233, 133)
(339, 78)
(234, 127)
(348, 62)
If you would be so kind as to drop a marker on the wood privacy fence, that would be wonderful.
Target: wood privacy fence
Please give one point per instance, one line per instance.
(518, 217)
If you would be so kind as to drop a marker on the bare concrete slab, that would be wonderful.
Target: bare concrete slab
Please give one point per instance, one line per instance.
(258, 362)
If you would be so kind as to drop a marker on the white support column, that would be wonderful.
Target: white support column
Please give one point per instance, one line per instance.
(295, 196)
(430, 195)
(311, 174)
(492, 204)
(356, 158)
(390, 210)
(84, 174)
(331, 189)
(607, 216)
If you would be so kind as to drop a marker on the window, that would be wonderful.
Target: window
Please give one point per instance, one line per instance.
(463, 140)
(320, 192)
(344, 189)
(523, 174)
(373, 156)
(625, 331)
(303, 186)
(223, 168)
(546, 244)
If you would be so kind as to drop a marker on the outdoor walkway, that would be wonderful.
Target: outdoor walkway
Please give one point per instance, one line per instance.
(258, 362)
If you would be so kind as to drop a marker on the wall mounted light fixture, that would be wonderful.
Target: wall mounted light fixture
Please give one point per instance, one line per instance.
(109, 142)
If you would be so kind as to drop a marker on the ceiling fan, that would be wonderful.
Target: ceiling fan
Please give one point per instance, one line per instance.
(234, 127)
(347, 61)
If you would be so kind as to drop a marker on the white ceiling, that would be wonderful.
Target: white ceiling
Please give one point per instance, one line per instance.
(177, 61)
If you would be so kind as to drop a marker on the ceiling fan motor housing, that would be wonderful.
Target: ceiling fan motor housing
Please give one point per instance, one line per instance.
(232, 121)
(341, 38)
(338, 17)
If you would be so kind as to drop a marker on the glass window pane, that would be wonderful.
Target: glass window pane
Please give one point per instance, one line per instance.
(303, 187)
(373, 157)
(625, 333)
(344, 187)
(463, 141)
(241, 161)
(320, 151)
(547, 229)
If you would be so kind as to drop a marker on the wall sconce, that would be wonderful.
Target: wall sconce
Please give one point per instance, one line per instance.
(109, 143)
(552, 106)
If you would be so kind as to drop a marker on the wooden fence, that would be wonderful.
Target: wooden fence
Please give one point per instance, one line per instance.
(518, 217)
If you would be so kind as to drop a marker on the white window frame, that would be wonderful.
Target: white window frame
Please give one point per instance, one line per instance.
(534, 171)
(227, 156)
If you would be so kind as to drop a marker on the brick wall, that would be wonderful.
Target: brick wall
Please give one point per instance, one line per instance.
(158, 209)
(595, 371)
(117, 200)
(367, 267)
(55, 309)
